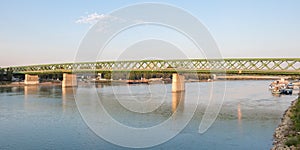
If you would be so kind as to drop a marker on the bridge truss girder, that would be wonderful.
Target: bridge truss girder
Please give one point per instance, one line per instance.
(276, 66)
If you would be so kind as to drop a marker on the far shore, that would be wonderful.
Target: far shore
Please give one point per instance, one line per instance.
(156, 80)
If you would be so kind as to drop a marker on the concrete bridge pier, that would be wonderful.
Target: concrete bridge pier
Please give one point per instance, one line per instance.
(69, 80)
(31, 79)
(177, 83)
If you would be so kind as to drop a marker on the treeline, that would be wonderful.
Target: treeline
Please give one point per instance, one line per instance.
(139, 75)
(5, 76)
(134, 75)
(55, 76)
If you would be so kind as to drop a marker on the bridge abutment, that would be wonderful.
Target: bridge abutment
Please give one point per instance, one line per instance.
(31, 79)
(69, 80)
(178, 84)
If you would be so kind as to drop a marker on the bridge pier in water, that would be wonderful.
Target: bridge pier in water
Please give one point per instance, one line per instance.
(31, 79)
(69, 80)
(178, 84)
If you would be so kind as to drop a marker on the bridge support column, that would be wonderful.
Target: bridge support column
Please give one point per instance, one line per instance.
(177, 83)
(69, 80)
(31, 79)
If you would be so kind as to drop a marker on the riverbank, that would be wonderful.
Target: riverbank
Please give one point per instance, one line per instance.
(252, 77)
(157, 80)
(287, 134)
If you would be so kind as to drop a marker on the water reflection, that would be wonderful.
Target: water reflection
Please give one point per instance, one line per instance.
(32, 94)
(16, 90)
(30, 90)
(5, 90)
(99, 85)
(239, 113)
(178, 98)
(29, 93)
(276, 95)
(67, 94)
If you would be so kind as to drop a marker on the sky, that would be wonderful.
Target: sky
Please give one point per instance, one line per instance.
(45, 32)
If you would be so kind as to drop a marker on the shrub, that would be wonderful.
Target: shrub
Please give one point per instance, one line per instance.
(292, 141)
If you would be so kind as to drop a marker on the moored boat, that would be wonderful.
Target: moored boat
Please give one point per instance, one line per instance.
(281, 87)
(286, 91)
(276, 92)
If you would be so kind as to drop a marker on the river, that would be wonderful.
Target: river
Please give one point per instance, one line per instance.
(47, 117)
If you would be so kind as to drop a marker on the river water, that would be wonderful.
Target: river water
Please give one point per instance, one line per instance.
(47, 117)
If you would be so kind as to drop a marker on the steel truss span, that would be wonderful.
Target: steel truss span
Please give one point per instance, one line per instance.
(280, 66)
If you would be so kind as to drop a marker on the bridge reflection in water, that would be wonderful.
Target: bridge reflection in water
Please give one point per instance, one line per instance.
(67, 94)
(34, 92)
(239, 113)
(174, 106)
(239, 118)
(178, 101)
(30, 90)
(177, 104)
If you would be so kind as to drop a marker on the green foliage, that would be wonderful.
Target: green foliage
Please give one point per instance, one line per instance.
(136, 75)
(147, 75)
(132, 76)
(167, 75)
(107, 75)
(295, 117)
(50, 77)
(292, 141)
(9, 74)
(1, 74)
(119, 75)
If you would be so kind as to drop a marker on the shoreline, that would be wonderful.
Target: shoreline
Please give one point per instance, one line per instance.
(251, 77)
(285, 129)
(219, 78)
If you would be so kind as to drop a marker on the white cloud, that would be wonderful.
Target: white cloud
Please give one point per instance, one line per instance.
(105, 21)
(93, 18)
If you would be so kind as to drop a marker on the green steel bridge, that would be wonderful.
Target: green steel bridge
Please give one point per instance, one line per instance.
(261, 66)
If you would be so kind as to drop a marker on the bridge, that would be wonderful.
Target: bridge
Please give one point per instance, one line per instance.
(273, 66)
(259, 66)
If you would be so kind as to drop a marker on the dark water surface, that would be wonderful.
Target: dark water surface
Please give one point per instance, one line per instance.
(46, 117)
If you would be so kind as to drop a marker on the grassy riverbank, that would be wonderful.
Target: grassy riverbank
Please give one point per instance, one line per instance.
(287, 134)
(294, 136)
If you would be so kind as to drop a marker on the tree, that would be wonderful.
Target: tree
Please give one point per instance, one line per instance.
(9, 74)
(1, 74)
(107, 75)
(167, 75)
(147, 75)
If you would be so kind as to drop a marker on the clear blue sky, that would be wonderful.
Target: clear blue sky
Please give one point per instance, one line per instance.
(41, 32)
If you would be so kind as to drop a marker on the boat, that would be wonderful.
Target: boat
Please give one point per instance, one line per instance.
(137, 81)
(278, 83)
(271, 87)
(276, 92)
(281, 87)
(286, 91)
(290, 85)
